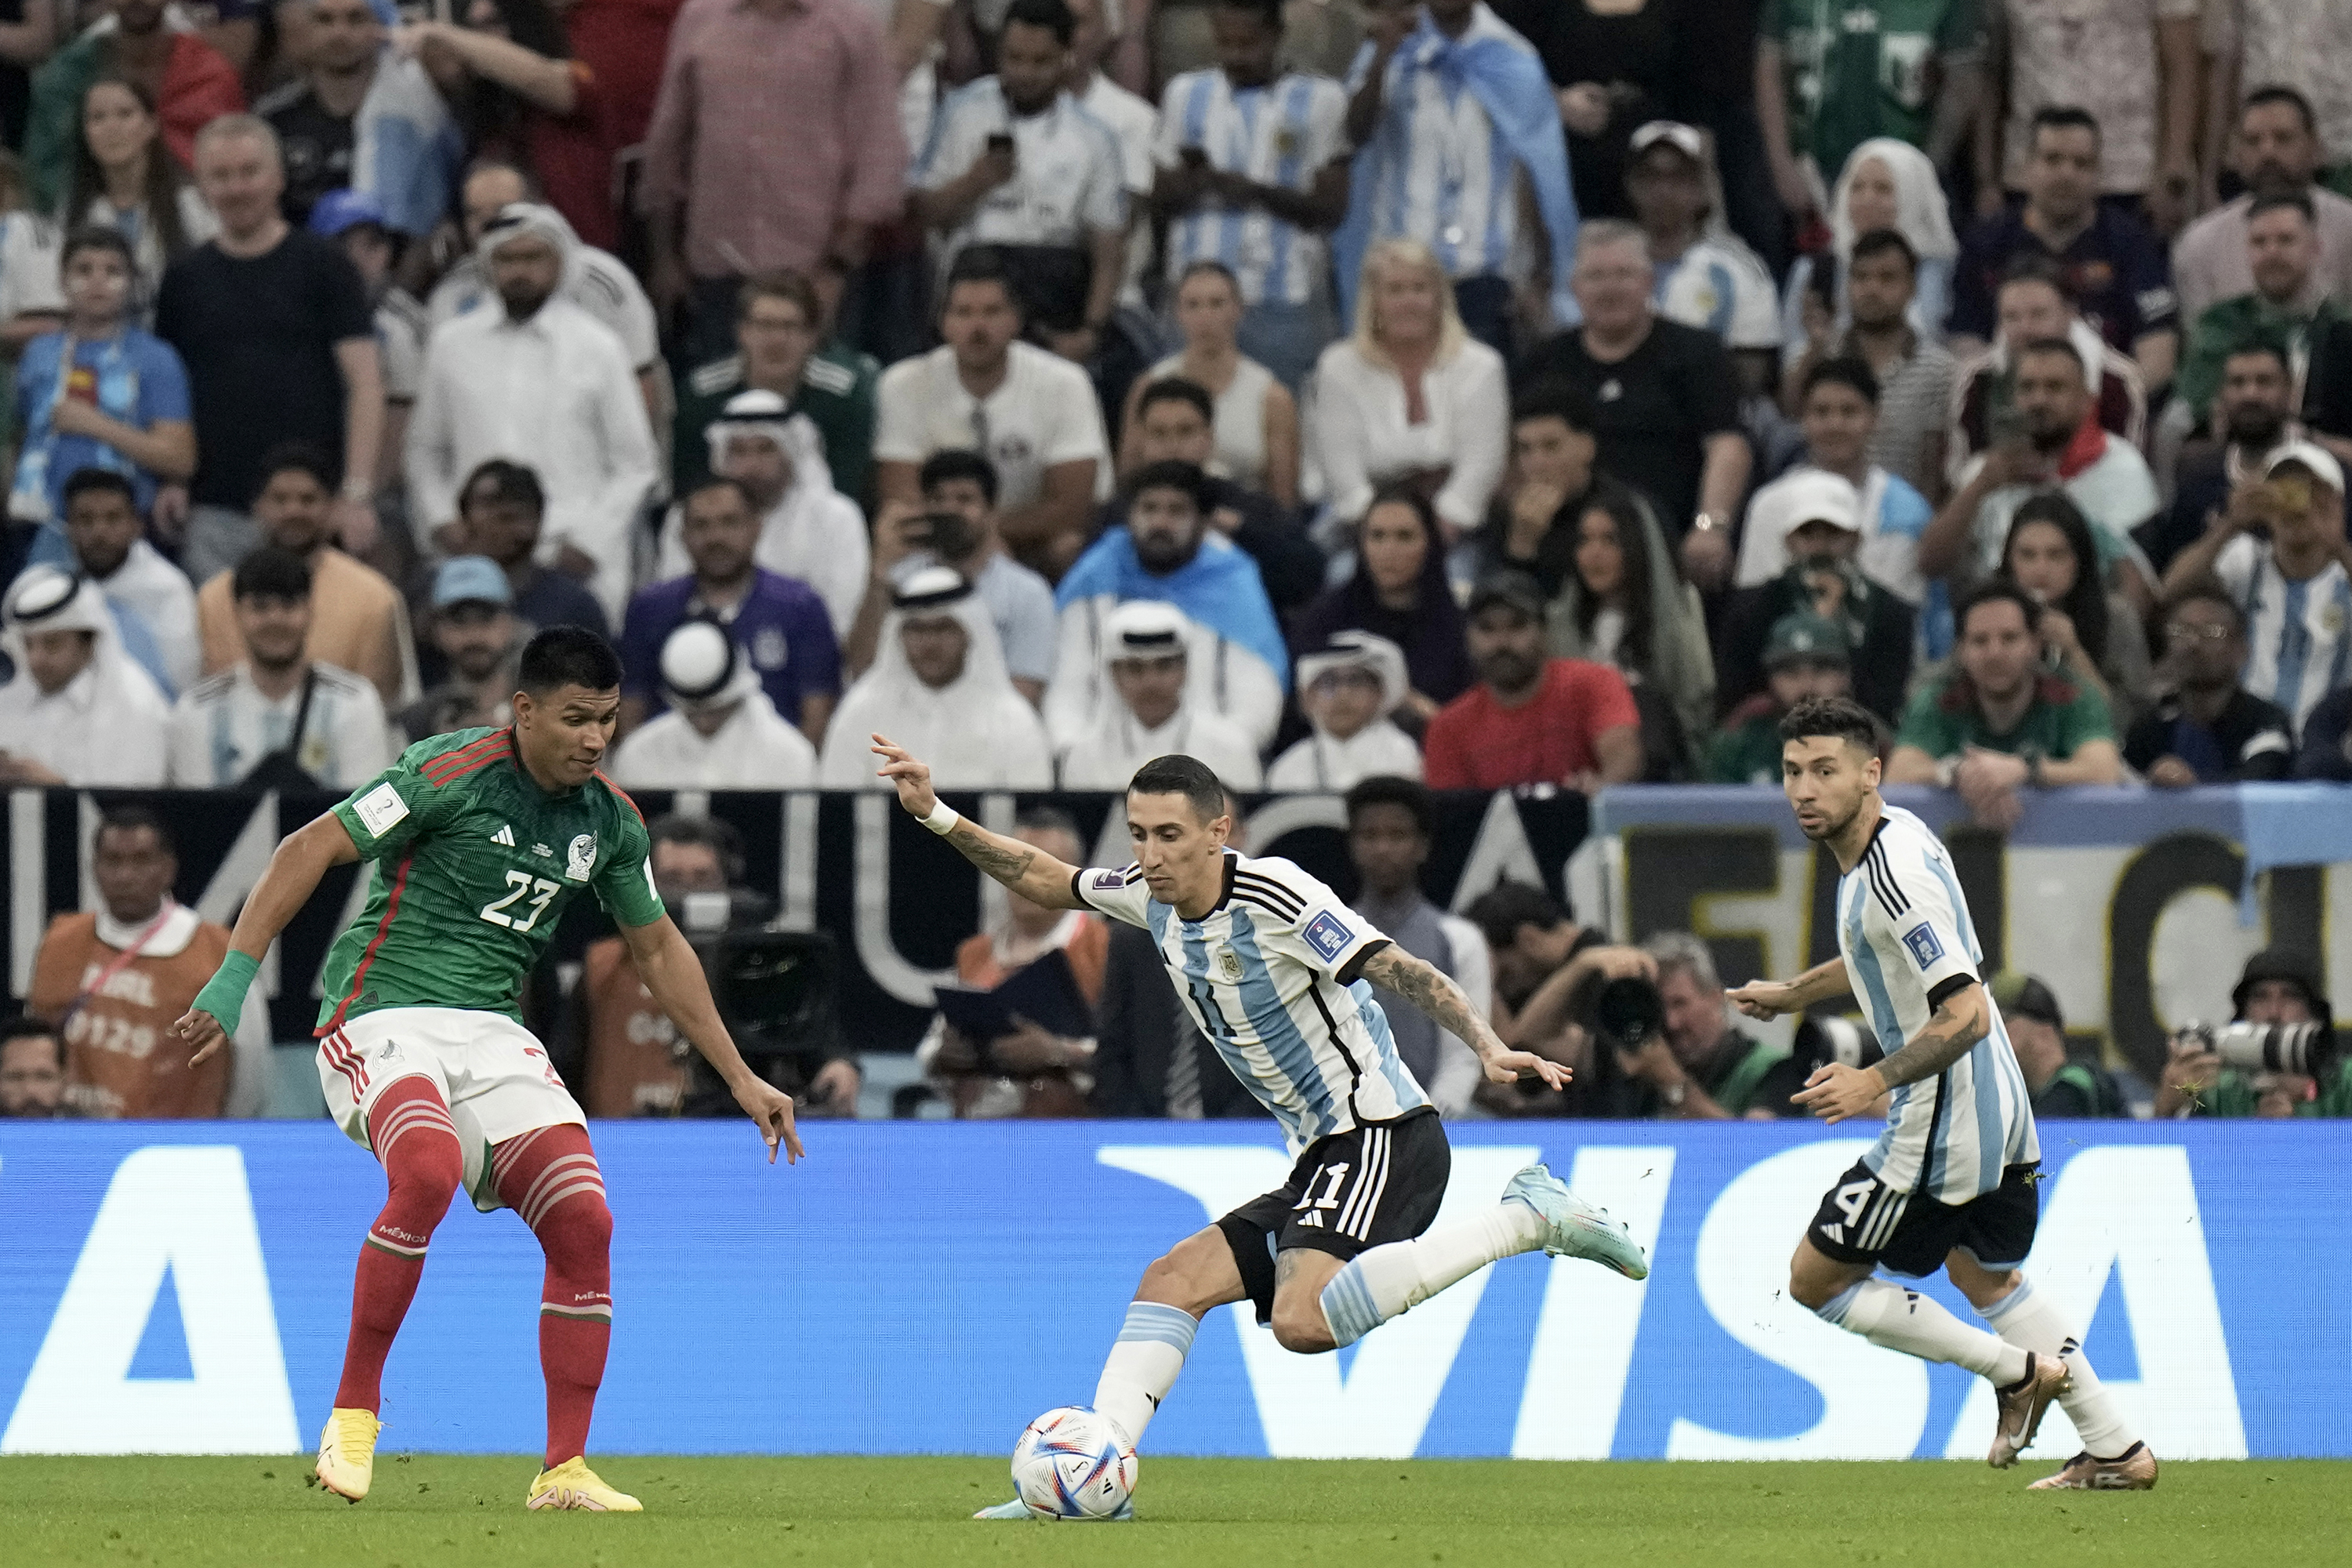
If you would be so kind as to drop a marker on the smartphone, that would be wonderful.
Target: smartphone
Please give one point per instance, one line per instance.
(1195, 158)
(999, 141)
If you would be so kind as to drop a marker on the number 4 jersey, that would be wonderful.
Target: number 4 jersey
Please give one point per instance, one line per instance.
(474, 865)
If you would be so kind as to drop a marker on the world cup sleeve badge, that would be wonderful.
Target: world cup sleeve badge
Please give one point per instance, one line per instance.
(1925, 948)
(581, 859)
(1327, 936)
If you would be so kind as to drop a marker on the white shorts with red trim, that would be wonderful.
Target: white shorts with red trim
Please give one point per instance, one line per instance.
(492, 1073)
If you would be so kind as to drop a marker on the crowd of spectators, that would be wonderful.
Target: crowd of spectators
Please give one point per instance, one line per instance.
(1492, 392)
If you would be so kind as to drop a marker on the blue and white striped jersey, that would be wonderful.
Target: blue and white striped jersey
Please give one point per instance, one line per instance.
(1269, 975)
(2298, 635)
(1445, 174)
(1904, 933)
(1282, 134)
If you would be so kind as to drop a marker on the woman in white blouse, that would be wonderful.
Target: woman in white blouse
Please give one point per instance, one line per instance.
(124, 177)
(1412, 397)
(1256, 419)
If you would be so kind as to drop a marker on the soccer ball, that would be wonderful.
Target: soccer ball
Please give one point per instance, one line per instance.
(1074, 1463)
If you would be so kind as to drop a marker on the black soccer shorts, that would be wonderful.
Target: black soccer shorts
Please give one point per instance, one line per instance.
(1863, 1220)
(1375, 1184)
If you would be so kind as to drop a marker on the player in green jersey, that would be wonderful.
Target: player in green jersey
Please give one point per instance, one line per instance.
(480, 839)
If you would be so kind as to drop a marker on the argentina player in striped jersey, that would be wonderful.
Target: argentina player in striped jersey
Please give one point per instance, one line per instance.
(1278, 975)
(1951, 1182)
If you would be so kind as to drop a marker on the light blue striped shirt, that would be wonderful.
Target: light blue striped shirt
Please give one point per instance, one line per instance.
(1283, 135)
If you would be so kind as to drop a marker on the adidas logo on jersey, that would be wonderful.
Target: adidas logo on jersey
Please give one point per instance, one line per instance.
(505, 835)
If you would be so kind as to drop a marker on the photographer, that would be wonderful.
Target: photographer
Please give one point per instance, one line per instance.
(1696, 1064)
(1548, 972)
(2211, 1074)
(2060, 1085)
(634, 1064)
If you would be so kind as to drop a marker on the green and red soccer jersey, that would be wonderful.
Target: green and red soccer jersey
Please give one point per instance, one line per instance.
(474, 865)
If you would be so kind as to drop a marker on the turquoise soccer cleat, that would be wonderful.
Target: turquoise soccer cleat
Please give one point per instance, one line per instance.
(1579, 1229)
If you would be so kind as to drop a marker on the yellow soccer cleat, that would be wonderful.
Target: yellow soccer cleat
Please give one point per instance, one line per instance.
(573, 1484)
(347, 1453)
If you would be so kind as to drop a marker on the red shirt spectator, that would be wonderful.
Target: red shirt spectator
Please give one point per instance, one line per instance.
(1530, 720)
(616, 69)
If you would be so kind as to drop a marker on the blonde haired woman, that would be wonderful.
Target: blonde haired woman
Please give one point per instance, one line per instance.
(1411, 398)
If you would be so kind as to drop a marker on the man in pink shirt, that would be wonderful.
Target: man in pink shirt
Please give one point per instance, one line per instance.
(1530, 720)
(775, 143)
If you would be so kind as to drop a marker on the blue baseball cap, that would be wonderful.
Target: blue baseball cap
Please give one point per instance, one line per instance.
(472, 580)
(345, 209)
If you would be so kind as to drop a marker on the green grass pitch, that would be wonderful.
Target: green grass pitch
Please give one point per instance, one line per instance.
(446, 1511)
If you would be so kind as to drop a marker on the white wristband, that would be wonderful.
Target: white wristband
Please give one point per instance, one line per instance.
(943, 818)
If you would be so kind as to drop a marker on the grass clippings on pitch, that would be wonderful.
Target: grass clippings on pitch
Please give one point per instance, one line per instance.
(450, 1511)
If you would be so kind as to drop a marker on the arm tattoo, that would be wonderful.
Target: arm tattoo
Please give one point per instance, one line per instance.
(1945, 1040)
(1008, 863)
(1438, 997)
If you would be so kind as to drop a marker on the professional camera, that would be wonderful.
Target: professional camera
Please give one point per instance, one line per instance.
(2307, 1049)
(1628, 1011)
(775, 990)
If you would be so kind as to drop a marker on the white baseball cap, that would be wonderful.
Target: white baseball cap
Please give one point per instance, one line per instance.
(1815, 495)
(2309, 454)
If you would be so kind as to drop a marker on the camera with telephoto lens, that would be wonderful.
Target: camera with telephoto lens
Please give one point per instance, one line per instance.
(2308, 1049)
(1629, 1012)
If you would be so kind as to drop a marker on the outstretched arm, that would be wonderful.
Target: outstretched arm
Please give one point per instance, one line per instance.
(291, 876)
(1429, 989)
(673, 976)
(1024, 868)
(1769, 998)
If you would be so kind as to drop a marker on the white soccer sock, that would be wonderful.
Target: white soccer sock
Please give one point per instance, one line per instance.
(1906, 1320)
(1379, 1284)
(2034, 1322)
(1143, 1363)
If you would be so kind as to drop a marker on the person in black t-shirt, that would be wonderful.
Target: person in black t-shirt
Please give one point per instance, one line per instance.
(1665, 398)
(314, 115)
(2208, 729)
(274, 326)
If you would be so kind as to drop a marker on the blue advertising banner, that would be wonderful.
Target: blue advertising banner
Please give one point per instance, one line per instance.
(927, 1288)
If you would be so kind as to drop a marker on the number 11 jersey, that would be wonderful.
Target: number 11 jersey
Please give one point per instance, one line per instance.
(474, 866)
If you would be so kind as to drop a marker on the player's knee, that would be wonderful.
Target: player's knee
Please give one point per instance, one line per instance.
(425, 1170)
(1301, 1327)
(578, 1232)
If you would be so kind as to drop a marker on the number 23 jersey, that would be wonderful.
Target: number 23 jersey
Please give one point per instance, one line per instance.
(474, 866)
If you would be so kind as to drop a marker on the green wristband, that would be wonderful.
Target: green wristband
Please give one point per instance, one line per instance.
(224, 995)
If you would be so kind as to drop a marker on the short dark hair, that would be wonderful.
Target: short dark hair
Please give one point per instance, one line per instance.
(2265, 342)
(568, 656)
(1555, 399)
(719, 838)
(129, 818)
(1051, 15)
(2048, 346)
(1268, 12)
(1173, 475)
(507, 481)
(96, 237)
(959, 463)
(1503, 908)
(1845, 369)
(1992, 589)
(98, 481)
(270, 571)
(2062, 117)
(1176, 389)
(2028, 267)
(1177, 774)
(2279, 92)
(1392, 789)
(24, 1026)
(1048, 819)
(2276, 201)
(1885, 242)
(2207, 589)
(720, 482)
(1837, 717)
(783, 283)
(984, 264)
(298, 458)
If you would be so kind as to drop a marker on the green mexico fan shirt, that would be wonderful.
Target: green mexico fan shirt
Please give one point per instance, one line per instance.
(474, 865)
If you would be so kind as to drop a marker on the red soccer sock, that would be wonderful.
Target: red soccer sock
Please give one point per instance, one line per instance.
(549, 1177)
(413, 1137)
